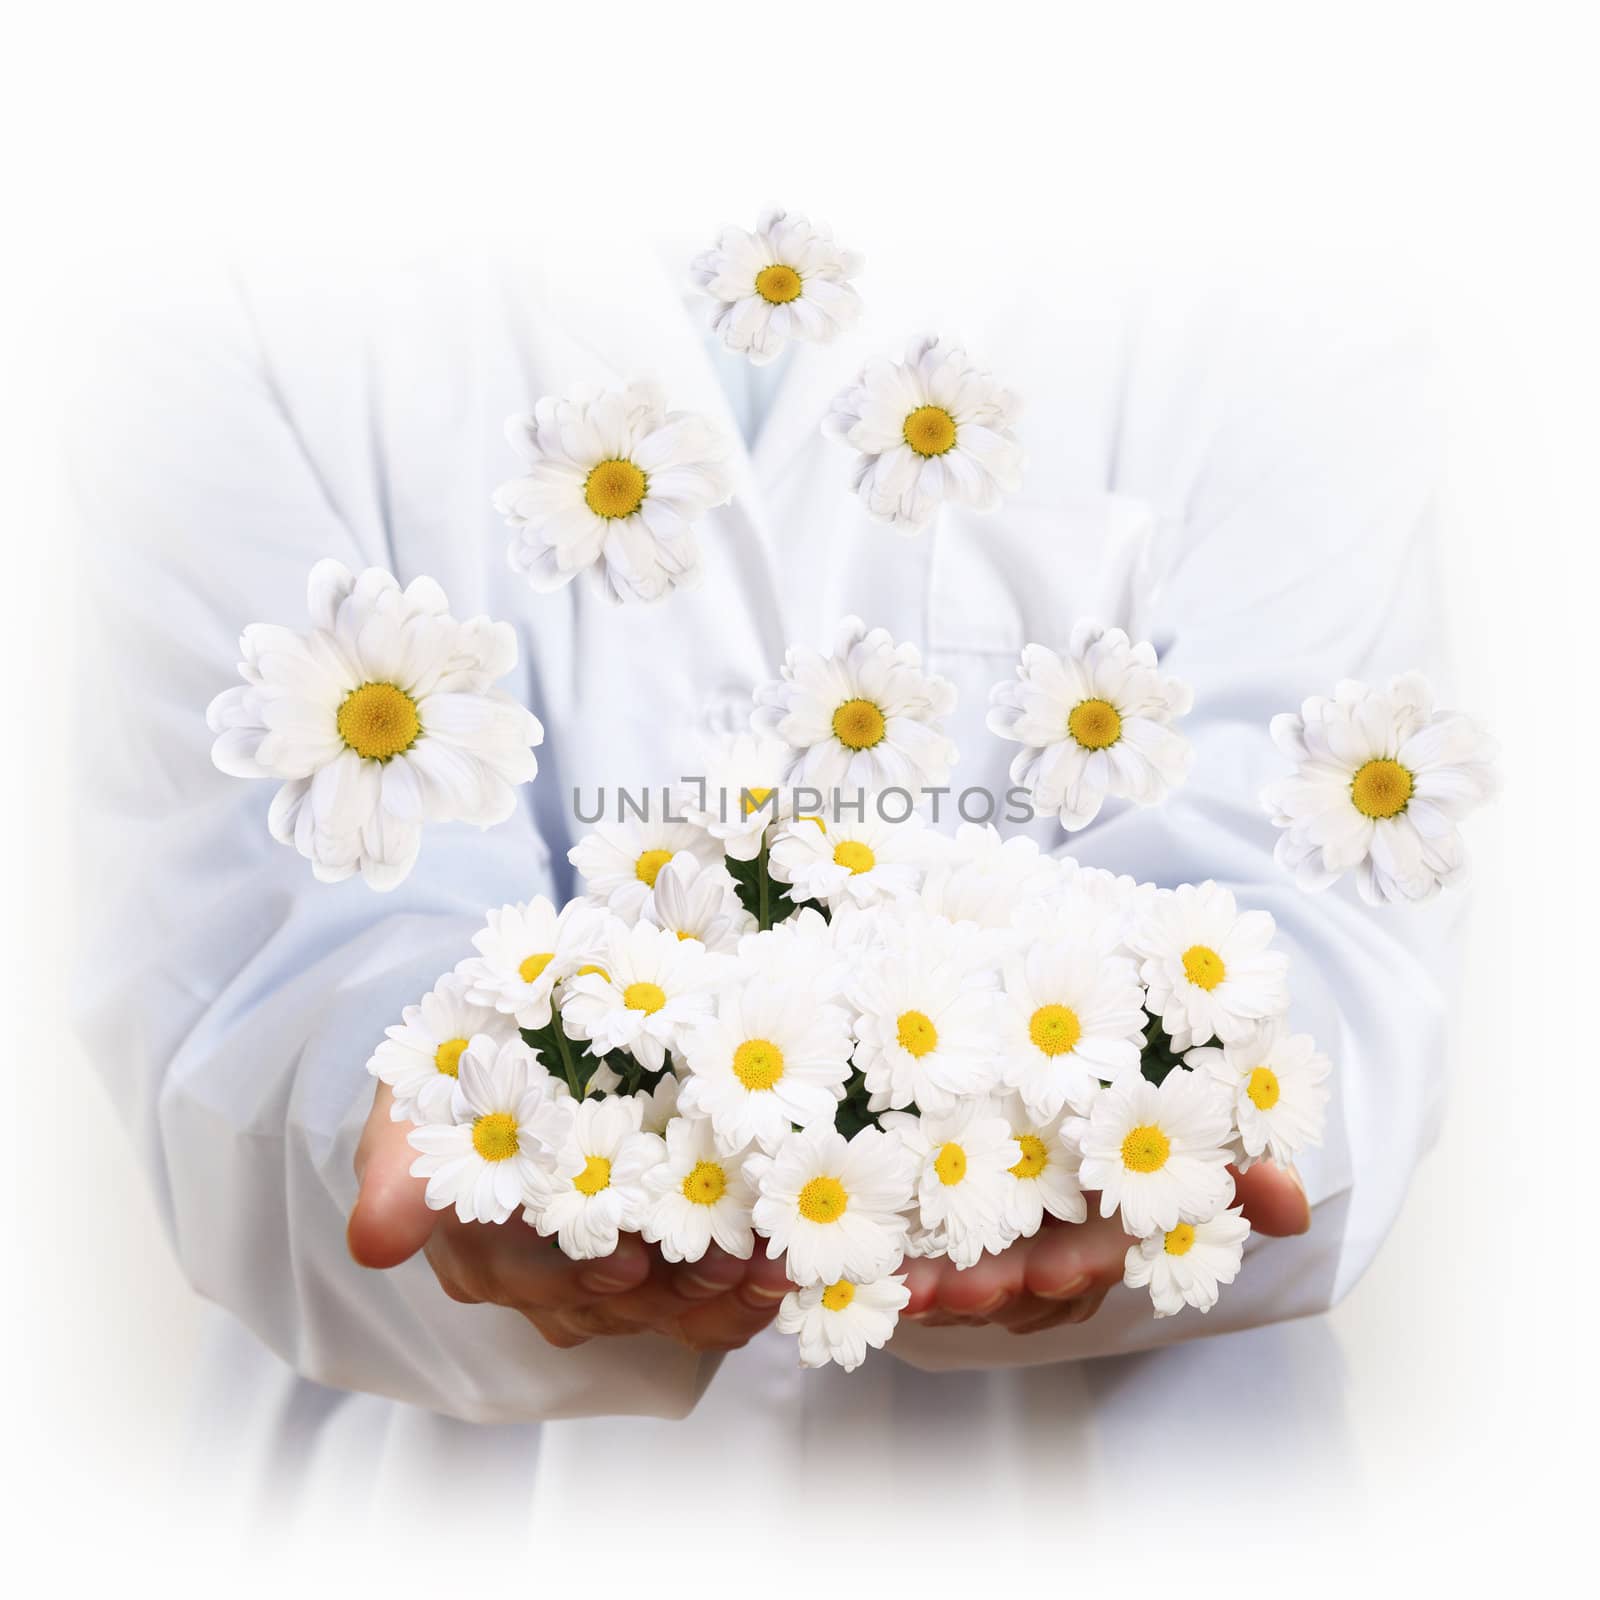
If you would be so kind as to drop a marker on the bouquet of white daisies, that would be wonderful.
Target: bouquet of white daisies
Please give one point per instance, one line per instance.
(791, 1016)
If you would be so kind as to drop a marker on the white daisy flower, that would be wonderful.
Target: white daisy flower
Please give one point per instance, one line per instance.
(657, 1106)
(964, 1183)
(525, 951)
(740, 794)
(850, 863)
(378, 718)
(834, 1207)
(924, 1003)
(1276, 1081)
(863, 719)
(1185, 1264)
(614, 486)
(1108, 900)
(699, 1195)
(505, 1144)
(420, 1057)
(696, 899)
(801, 951)
(1207, 965)
(599, 1189)
(1071, 1017)
(1159, 1154)
(1094, 722)
(619, 861)
(1046, 1176)
(930, 429)
(649, 987)
(1380, 782)
(976, 876)
(787, 280)
(841, 1321)
(771, 1058)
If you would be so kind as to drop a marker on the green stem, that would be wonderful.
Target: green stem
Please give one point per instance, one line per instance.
(566, 1060)
(763, 883)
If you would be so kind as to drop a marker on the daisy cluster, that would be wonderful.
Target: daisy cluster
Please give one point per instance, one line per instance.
(849, 1041)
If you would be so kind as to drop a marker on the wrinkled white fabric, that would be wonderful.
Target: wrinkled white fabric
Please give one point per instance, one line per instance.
(1249, 488)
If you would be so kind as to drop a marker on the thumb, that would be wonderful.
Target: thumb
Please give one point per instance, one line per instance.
(1274, 1201)
(391, 1220)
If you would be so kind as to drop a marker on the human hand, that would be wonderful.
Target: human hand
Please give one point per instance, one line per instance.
(1063, 1273)
(716, 1303)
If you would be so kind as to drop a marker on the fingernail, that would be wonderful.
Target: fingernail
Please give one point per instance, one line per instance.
(692, 1285)
(1067, 1290)
(762, 1291)
(990, 1305)
(601, 1283)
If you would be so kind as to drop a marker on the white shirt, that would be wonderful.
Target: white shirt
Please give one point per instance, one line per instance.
(1248, 487)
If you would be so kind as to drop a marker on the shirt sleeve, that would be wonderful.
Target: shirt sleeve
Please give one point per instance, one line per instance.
(1291, 470)
(228, 999)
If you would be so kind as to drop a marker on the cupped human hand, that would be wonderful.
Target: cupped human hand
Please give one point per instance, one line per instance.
(716, 1303)
(1063, 1273)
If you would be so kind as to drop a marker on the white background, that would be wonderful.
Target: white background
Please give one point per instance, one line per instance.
(1435, 149)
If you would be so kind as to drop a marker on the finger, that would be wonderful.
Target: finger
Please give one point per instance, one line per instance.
(765, 1284)
(1273, 1198)
(516, 1267)
(391, 1220)
(556, 1329)
(983, 1288)
(1060, 1314)
(724, 1324)
(922, 1280)
(1067, 1261)
(716, 1273)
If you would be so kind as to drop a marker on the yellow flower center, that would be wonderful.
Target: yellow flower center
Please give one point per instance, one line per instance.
(950, 1164)
(1381, 789)
(447, 1058)
(916, 1033)
(1263, 1088)
(1146, 1149)
(494, 1137)
(854, 855)
(1203, 967)
(706, 1184)
(1095, 724)
(838, 1295)
(752, 800)
(648, 867)
(615, 489)
(600, 972)
(1180, 1240)
(645, 997)
(1035, 1158)
(1055, 1029)
(533, 966)
(596, 1175)
(823, 1200)
(778, 284)
(930, 430)
(858, 725)
(758, 1064)
(378, 721)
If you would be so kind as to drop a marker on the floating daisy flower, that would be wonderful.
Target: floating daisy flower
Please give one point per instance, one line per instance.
(787, 280)
(696, 899)
(849, 863)
(525, 951)
(1071, 1017)
(1094, 722)
(378, 719)
(772, 1058)
(841, 1321)
(740, 794)
(931, 429)
(619, 861)
(1159, 1154)
(420, 1057)
(1380, 783)
(1276, 1081)
(863, 719)
(834, 1207)
(507, 1140)
(1207, 967)
(1045, 1178)
(924, 1002)
(649, 987)
(699, 1196)
(599, 1189)
(614, 486)
(964, 1162)
(1186, 1264)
